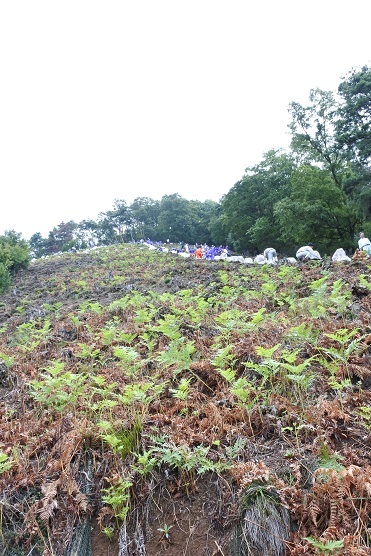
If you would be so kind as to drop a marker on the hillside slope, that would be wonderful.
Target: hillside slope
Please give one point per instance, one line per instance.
(185, 407)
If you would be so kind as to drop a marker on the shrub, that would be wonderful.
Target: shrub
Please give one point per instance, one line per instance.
(14, 255)
(5, 278)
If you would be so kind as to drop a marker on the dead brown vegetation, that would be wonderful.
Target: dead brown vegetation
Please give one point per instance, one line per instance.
(312, 444)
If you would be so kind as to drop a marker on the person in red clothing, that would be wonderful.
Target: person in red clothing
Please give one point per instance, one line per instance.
(198, 253)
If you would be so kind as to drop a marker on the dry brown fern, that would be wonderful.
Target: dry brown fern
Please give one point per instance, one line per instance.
(48, 503)
(248, 472)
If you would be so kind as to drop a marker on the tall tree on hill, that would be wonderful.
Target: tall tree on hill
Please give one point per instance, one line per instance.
(183, 220)
(175, 219)
(353, 132)
(248, 208)
(38, 245)
(353, 128)
(217, 226)
(313, 133)
(86, 233)
(115, 225)
(14, 255)
(315, 141)
(316, 210)
(202, 214)
(145, 212)
(61, 238)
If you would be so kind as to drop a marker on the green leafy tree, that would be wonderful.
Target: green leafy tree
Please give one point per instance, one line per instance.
(353, 133)
(14, 256)
(145, 213)
(5, 278)
(317, 139)
(357, 189)
(248, 208)
(316, 210)
(313, 133)
(115, 225)
(61, 238)
(38, 245)
(14, 251)
(202, 214)
(85, 234)
(175, 219)
(183, 220)
(353, 129)
(218, 227)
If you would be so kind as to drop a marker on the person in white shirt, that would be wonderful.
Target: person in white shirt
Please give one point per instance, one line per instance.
(364, 243)
(307, 253)
(271, 255)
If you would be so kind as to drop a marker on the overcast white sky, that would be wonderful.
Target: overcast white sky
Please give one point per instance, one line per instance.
(125, 99)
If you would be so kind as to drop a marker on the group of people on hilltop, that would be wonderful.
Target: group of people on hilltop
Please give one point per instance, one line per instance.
(307, 252)
(210, 253)
(304, 253)
(205, 251)
(196, 251)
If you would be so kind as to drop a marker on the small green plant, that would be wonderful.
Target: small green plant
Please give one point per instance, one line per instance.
(339, 355)
(295, 428)
(316, 303)
(8, 360)
(30, 335)
(178, 353)
(329, 460)
(269, 289)
(188, 461)
(165, 530)
(303, 333)
(235, 449)
(129, 359)
(119, 305)
(117, 496)
(58, 389)
(268, 367)
(90, 306)
(5, 462)
(81, 285)
(53, 308)
(234, 320)
(223, 358)
(364, 281)
(111, 333)
(122, 441)
(139, 395)
(325, 547)
(288, 272)
(108, 532)
(87, 351)
(145, 462)
(297, 373)
(169, 326)
(182, 391)
(340, 296)
(365, 412)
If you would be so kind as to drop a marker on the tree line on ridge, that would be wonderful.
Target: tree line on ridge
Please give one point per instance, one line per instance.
(318, 191)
